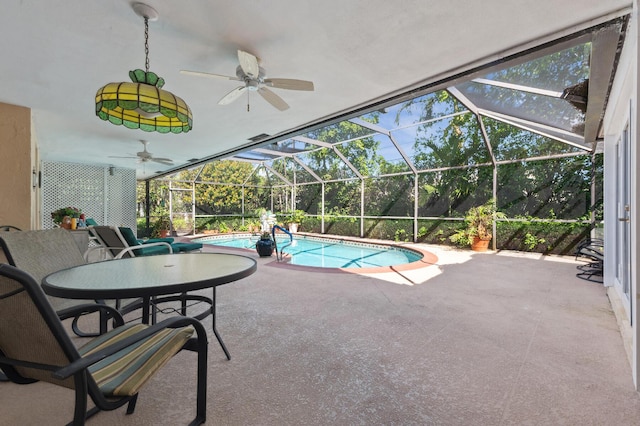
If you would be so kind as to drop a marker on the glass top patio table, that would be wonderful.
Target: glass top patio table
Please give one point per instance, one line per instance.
(147, 277)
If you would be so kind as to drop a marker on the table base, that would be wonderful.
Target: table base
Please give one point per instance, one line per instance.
(150, 316)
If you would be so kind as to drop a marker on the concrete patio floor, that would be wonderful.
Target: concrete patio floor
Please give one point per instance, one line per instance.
(476, 339)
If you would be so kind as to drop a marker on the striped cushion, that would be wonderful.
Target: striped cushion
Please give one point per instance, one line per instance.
(124, 373)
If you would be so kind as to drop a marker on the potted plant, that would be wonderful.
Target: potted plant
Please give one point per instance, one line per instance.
(295, 219)
(63, 216)
(253, 226)
(161, 227)
(478, 230)
(265, 245)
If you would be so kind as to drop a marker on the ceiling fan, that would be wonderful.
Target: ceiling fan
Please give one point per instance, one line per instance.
(145, 156)
(252, 75)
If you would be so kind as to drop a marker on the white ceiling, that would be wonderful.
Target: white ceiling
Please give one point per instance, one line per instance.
(56, 54)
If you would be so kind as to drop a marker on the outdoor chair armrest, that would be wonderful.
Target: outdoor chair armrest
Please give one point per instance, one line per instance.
(89, 308)
(85, 362)
(131, 248)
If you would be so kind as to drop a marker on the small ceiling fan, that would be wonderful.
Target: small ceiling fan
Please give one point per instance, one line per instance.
(253, 76)
(145, 156)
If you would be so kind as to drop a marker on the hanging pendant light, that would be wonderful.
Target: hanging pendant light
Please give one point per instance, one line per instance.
(143, 104)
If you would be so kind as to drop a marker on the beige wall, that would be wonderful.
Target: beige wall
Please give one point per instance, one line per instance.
(17, 162)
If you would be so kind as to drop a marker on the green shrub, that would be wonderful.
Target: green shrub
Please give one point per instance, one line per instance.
(541, 236)
(531, 241)
(223, 227)
(524, 235)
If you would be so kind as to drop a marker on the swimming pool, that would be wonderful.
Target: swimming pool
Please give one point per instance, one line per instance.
(324, 252)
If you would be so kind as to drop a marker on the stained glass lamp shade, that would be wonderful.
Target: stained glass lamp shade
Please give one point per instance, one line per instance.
(142, 104)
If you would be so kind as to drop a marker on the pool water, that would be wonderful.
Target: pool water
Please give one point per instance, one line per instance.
(325, 253)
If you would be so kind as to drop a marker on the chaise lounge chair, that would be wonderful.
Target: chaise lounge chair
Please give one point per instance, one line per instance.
(122, 243)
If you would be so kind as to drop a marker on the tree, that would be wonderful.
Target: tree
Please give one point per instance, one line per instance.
(220, 187)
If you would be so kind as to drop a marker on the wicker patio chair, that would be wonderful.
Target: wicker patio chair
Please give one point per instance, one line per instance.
(109, 369)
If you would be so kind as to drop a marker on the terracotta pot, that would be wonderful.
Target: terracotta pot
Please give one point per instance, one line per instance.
(66, 222)
(479, 245)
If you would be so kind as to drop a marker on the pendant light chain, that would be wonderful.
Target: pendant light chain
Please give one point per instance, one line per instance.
(146, 43)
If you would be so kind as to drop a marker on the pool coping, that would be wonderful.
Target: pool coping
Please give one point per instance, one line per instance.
(428, 258)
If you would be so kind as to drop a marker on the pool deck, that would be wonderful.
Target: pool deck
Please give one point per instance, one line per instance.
(496, 338)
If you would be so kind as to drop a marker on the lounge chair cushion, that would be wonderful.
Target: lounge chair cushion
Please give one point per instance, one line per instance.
(185, 247)
(157, 240)
(132, 241)
(150, 251)
(124, 373)
(177, 247)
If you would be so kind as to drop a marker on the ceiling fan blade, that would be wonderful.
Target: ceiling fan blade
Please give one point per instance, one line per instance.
(165, 161)
(273, 99)
(249, 64)
(289, 83)
(232, 95)
(208, 74)
(119, 156)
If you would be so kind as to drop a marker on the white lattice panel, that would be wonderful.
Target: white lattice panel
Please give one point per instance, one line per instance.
(121, 198)
(109, 198)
